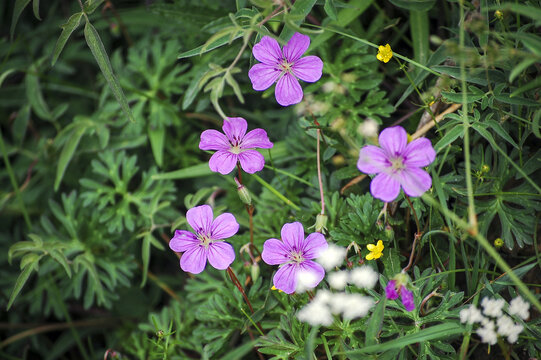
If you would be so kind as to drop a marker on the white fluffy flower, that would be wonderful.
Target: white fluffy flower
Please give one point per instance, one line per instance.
(519, 307)
(368, 128)
(507, 327)
(492, 307)
(338, 279)
(471, 315)
(332, 257)
(356, 306)
(316, 313)
(487, 333)
(306, 280)
(363, 277)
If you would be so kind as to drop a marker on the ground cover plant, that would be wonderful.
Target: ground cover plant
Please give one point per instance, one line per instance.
(257, 179)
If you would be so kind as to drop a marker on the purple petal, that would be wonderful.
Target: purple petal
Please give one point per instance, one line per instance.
(256, 138)
(200, 218)
(393, 140)
(385, 187)
(419, 153)
(224, 226)
(288, 90)
(263, 76)
(213, 140)
(267, 51)
(390, 290)
(274, 252)
(220, 255)
(223, 162)
(372, 160)
(415, 181)
(285, 278)
(308, 68)
(194, 260)
(313, 245)
(316, 271)
(407, 298)
(183, 240)
(235, 128)
(251, 161)
(293, 235)
(296, 46)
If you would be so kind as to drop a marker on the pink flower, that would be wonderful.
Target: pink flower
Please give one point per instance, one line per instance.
(394, 288)
(398, 164)
(235, 145)
(294, 254)
(207, 241)
(284, 67)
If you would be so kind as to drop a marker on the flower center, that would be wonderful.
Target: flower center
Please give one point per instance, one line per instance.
(296, 257)
(285, 66)
(397, 164)
(204, 239)
(235, 149)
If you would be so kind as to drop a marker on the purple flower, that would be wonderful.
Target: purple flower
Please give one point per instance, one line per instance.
(235, 145)
(394, 288)
(285, 67)
(398, 164)
(206, 242)
(294, 254)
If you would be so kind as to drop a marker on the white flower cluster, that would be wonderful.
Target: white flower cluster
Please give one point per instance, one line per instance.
(494, 322)
(325, 304)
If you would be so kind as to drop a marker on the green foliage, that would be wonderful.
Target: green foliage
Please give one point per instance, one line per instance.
(101, 162)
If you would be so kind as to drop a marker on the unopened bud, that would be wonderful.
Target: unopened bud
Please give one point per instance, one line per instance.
(498, 14)
(255, 271)
(321, 222)
(389, 232)
(498, 243)
(485, 168)
(244, 194)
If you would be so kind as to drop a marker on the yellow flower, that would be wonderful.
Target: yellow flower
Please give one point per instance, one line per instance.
(274, 288)
(498, 243)
(376, 251)
(498, 14)
(384, 53)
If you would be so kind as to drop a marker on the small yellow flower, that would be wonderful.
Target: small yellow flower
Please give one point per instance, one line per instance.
(498, 14)
(274, 288)
(384, 53)
(376, 251)
(498, 243)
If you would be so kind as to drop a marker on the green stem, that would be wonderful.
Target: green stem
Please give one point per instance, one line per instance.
(14, 181)
(275, 192)
(466, 123)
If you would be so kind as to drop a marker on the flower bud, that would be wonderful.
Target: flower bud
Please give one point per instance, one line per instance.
(498, 243)
(255, 271)
(498, 14)
(485, 168)
(244, 194)
(321, 223)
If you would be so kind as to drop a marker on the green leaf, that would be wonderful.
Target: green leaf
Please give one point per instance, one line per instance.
(536, 83)
(145, 255)
(419, 35)
(67, 153)
(5, 74)
(17, 11)
(297, 14)
(523, 65)
(240, 351)
(186, 173)
(35, 7)
(19, 283)
(535, 123)
(506, 98)
(442, 331)
(96, 46)
(156, 137)
(209, 47)
(375, 323)
(235, 85)
(67, 29)
(416, 5)
(473, 75)
(61, 259)
(449, 137)
(532, 12)
(34, 94)
(330, 9)
(91, 6)
(494, 125)
(457, 97)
